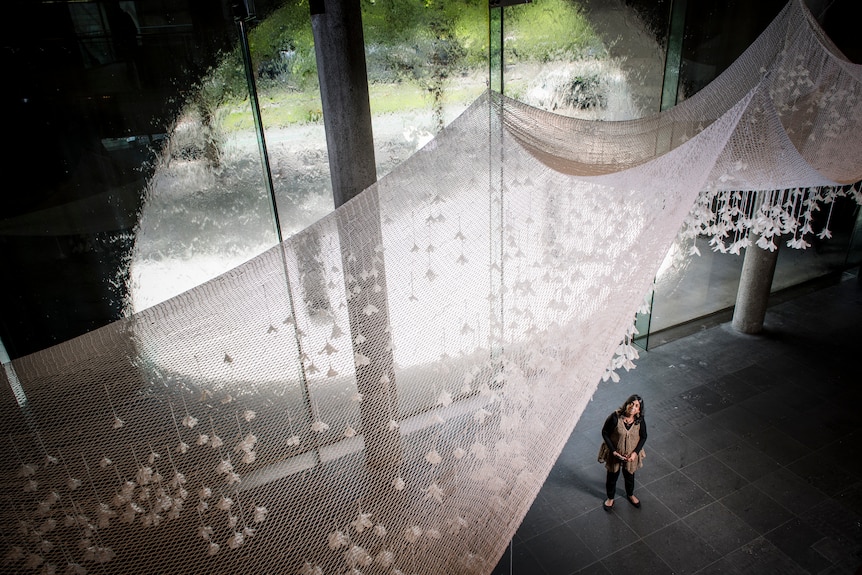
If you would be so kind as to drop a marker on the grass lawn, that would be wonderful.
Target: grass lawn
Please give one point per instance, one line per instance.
(282, 109)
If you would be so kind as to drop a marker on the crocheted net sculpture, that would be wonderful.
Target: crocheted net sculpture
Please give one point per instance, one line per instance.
(386, 391)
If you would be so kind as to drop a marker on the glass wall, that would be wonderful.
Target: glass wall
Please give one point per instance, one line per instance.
(95, 92)
(146, 172)
(708, 37)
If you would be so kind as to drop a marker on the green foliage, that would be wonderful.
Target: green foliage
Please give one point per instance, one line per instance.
(548, 30)
(403, 37)
(282, 47)
(423, 43)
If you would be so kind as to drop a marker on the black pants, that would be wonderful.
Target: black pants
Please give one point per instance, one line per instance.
(628, 479)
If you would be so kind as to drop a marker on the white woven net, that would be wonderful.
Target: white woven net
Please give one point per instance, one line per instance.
(387, 390)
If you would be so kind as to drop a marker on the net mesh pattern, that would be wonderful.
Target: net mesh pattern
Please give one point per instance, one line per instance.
(386, 391)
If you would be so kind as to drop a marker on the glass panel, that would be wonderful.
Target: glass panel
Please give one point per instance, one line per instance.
(824, 256)
(705, 38)
(691, 287)
(586, 59)
(207, 206)
(117, 112)
(854, 254)
(696, 286)
(495, 39)
(716, 33)
(427, 61)
(282, 49)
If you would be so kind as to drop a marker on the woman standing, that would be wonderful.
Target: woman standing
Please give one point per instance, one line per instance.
(624, 434)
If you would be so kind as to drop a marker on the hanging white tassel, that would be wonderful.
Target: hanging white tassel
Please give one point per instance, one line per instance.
(362, 522)
(205, 532)
(337, 539)
(309, 569)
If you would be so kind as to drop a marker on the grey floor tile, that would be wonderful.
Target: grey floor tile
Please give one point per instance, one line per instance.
(840, 450)
(750, 463)
(735, 386)
(761, 556)
(778, 445)
(579, 450)
(720, 567)
(836, 521)
(705, 399)
(723, 529)
(677, 411)
(573, 497)
(655, 468)
(848, 392)
(801, 395)
(708, 434)
(680, 494)
(719, 352)
(591, 479)
(518, 559)
(797, 540)
(674, 378)
(650, 517)
(657, 426)
(597, 568)
(760, 376)
(541, 517)
(763, 406)
(570, 469)
(757, 509)
(821, 471)
(843, 423)
(603, 533)
(560, 551)
(636, 557)
(839, 570)
(591, 421)
(676, 448)
(851, 497)
(714, 477)
(740, 420)
(790, 490)
(681, 548)
(844, 558)
(563, 471)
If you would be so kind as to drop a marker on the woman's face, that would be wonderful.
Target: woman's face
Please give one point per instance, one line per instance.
(633, 408)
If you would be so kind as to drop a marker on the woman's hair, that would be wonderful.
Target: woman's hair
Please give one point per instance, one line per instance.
(632, 398)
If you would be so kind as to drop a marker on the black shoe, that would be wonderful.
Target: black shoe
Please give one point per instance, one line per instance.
(638, 504)
(607, 507)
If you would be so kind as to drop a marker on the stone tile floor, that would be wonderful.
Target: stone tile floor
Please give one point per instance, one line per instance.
(753, 456)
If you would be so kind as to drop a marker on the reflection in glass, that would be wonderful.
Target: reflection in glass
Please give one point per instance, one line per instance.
(206, 207)
(96, 84)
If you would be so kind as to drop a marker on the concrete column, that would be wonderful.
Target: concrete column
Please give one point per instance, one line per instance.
(340, 51)
(755, 283)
